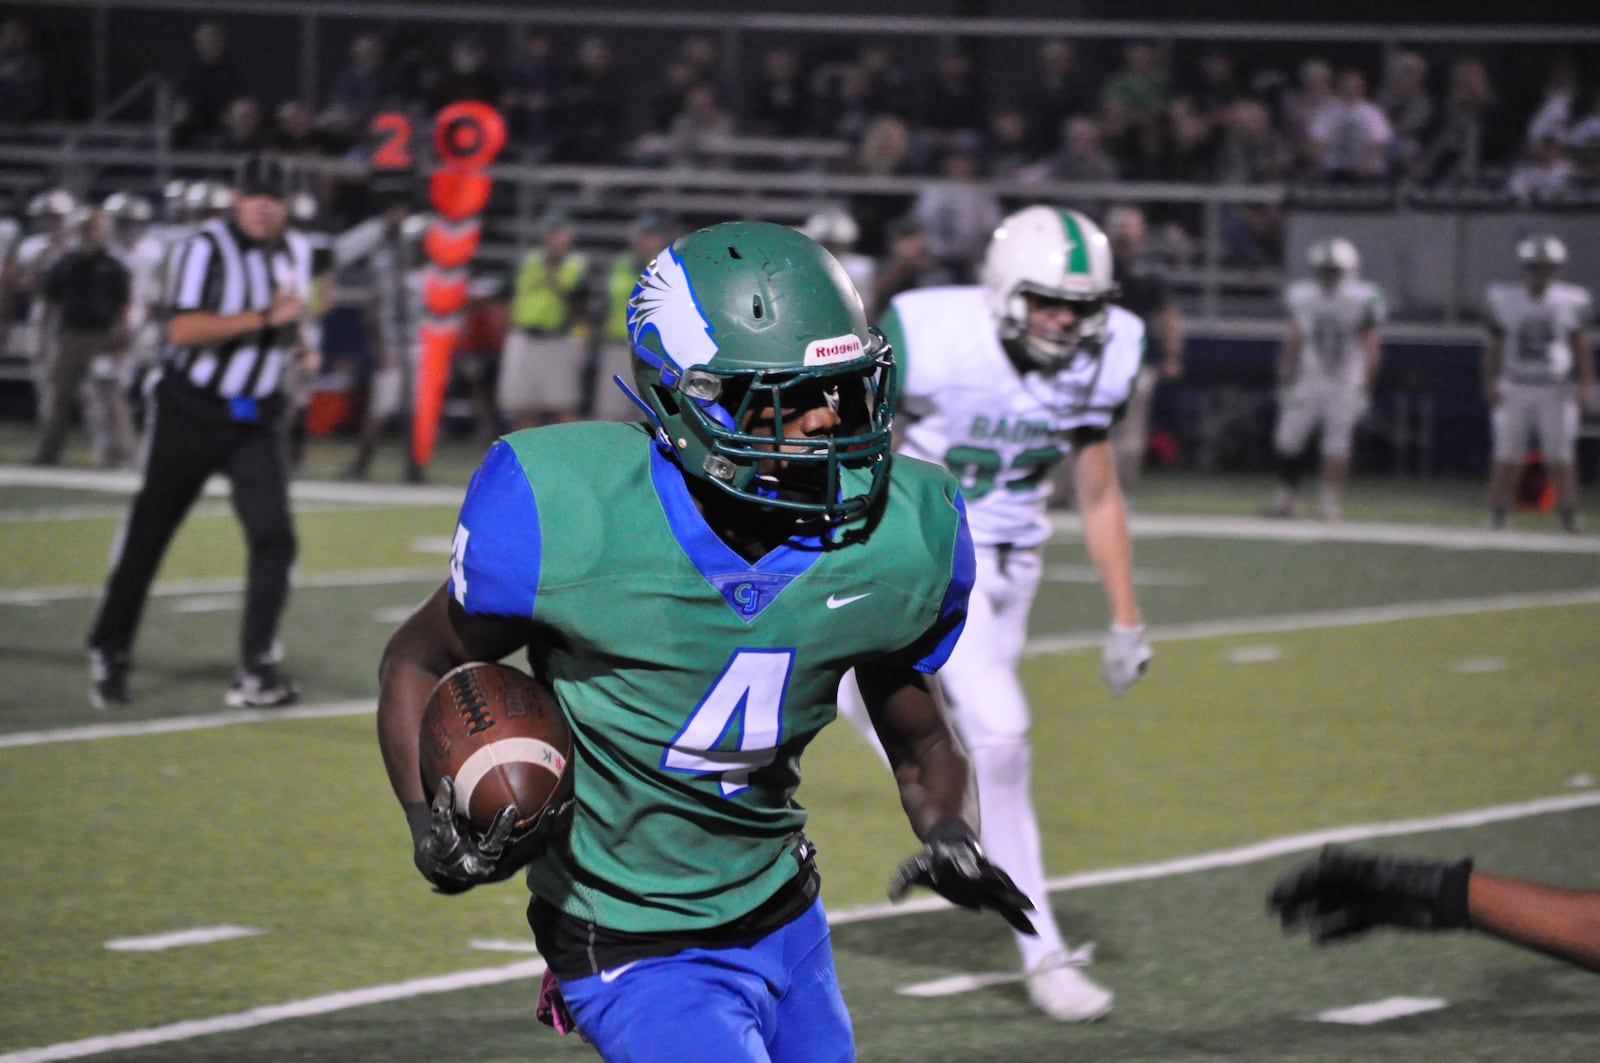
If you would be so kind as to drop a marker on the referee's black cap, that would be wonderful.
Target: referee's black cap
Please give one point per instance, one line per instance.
(262, 175)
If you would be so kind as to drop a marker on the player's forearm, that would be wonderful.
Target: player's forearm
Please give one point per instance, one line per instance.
(930, 766)
(1564, 923)
(1491, 362)
(1372, 348)
(938, 785)
(1170, 326)
(1105, 531)
(1583, 358)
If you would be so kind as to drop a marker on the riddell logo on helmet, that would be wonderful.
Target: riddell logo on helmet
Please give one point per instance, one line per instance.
(835, 349)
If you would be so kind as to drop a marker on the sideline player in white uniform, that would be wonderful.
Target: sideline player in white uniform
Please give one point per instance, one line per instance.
(129, 218)
(1000, 381)
(1325, 371)
(1530, 388)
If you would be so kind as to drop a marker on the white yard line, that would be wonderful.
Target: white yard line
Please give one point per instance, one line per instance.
(1271, 625)
(125, 483)
(262, 1016)
(1258, 625)
(1221, 858)
(1155, 526)
(173, 724)
(1381, 1010)
(361, 577)
(178, 939)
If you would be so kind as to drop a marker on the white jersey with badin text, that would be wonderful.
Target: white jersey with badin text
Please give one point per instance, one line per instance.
(1537, 329)
(1332, 324)
(997, 430)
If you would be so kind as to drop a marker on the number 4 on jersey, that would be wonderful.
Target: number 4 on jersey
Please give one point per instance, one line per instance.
(737, 726)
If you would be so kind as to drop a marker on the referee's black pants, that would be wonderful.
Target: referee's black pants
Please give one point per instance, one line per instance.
(191, 437)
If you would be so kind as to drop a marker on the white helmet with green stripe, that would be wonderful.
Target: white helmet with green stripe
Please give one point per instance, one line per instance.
(1049, 253)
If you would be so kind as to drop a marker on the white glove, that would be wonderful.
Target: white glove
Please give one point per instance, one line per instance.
(1125, 657)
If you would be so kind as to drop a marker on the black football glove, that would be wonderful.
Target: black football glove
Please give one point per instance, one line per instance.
(952, 864)
(447, 854)
(1344, 892)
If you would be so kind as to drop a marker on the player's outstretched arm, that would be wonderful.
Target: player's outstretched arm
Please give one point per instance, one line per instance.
(939, 795)
(433, 640)
(1345, 892)
(1126, 654)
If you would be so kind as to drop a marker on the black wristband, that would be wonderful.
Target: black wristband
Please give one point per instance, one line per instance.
(950, 829)
(1454, 913)
(419, 817)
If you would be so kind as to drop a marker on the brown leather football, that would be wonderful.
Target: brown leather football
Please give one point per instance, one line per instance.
(500, 735)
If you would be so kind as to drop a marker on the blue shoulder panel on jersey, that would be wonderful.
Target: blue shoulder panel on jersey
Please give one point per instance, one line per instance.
(494, 561)
(953, 610)
(747, 588)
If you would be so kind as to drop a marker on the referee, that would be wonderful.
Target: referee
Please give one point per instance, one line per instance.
(234, 303)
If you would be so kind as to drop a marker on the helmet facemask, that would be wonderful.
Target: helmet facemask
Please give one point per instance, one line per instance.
(722, 427)
(1053, 351)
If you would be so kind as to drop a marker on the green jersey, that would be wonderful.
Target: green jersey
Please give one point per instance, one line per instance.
(692, 678)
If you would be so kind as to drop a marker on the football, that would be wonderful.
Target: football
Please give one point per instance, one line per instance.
(500, 735)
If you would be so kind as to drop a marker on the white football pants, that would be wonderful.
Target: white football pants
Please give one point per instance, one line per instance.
(990, 712)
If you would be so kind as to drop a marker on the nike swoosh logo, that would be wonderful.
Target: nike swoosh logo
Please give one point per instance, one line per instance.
(616, 972)
(834, 601)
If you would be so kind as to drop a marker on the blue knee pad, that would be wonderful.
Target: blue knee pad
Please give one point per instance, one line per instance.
(775, 1000)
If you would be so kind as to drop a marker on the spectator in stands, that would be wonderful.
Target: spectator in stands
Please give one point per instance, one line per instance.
(1141, 85)
(887, 89)
(699, 128)
(1215, 88)
(670, 97)
(1252, 152)
(844, 107)
(1349, 139)
(533, 91)
(204, 86)
(22, 74)
(1559, 105)
(884, 151)
(1188, 143)
(1144, 291)
(241, 130)
(958, 217)
(1008, 155)
(293, 132)
(1060, 90)
(1134, 146)
(591, 106)
(542, 369)
(700, 53)
(1543, 173)
(613, 347)
(1583, 149)
(953, 104)
(1464, 139)
(1084, 158)
(779, 104)
(909, 263)
(1304, 105)
(365, 86)
(468, 76)
(1408, 106)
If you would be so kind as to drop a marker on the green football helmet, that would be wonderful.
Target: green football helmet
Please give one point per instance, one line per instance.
(741, 319)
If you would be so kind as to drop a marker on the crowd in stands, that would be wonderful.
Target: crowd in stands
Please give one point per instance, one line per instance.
(1094, 111)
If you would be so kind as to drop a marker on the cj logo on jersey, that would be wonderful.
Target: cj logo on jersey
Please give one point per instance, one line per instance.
(748, 597)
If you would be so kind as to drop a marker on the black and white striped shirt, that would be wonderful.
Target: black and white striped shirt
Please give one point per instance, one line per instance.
(220, 271)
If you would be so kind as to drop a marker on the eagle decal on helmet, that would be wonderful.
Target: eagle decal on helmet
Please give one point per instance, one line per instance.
(664, 300)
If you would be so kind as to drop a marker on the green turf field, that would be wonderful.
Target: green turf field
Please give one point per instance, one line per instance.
(1413, 669)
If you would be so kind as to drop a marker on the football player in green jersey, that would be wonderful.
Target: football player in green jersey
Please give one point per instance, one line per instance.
(693, 587)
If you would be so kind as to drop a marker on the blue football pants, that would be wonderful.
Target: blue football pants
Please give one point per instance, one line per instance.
(774, 1001)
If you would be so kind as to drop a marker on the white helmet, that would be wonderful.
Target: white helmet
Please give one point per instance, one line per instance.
(1542, 249)
(122, 206)
(832, 227)
(1057, 254)
(208, 199)
(1335, 254)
